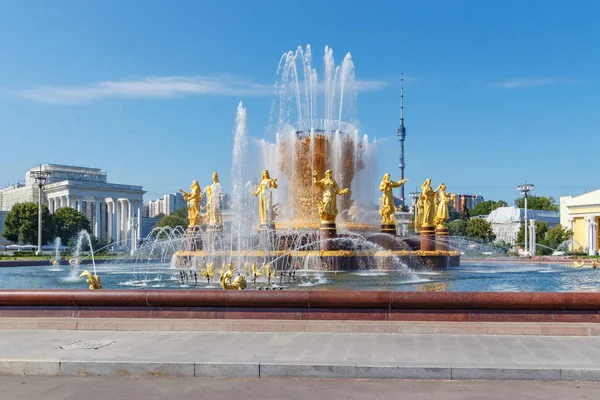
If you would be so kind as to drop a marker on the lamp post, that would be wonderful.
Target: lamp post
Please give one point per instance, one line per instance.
(40, 179)
(524, 190)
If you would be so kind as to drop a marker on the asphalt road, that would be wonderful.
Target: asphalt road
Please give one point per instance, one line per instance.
(114, 388)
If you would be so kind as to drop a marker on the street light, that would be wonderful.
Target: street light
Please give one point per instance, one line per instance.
(40, 179)
(524, 190)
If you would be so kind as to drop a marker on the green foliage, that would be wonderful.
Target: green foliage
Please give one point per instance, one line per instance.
(557, 235)
(69, 222)
(540, 232)
(97, 244)
(486, 207)
(452, 213)
(457, 228)
(464, 214)
(549, 239)
(178, 218)
(21, 224)
(479, 228)
(537, 203)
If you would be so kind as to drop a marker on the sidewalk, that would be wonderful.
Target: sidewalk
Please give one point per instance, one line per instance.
(299, 354)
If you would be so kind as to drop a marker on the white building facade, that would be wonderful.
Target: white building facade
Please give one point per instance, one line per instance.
(506, 221)
(581, 214)
(114, 210)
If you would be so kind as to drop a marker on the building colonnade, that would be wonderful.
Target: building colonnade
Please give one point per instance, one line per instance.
(592, 240)
(112, 218)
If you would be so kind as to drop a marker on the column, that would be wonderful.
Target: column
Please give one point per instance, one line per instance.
(532, 238)
(129, 227)
(97, 217)
(593, 240)
(113, 220)
(69, 200)
(119, 222)
(139, 217)
(588, 235)
(79, 203)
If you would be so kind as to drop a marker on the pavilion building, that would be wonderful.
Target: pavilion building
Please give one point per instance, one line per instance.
(115, 210)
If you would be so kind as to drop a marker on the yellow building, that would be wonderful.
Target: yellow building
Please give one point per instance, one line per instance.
(581, 214)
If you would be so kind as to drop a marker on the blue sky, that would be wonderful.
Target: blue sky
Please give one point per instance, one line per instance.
(497, 91)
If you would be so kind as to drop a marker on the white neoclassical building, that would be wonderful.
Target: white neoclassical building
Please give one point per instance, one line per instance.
(581, 214)
(115, 210)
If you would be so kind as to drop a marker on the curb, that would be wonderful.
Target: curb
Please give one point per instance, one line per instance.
(287, 370)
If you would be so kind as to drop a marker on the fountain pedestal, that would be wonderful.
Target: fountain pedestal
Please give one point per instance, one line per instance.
(266, 236)
(388, 227)
(441, 238)
(328, 230)
(427, 235)
(194, 240)
(388, 241)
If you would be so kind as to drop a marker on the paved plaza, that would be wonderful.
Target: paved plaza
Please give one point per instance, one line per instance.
(299, 354)
(102, 388)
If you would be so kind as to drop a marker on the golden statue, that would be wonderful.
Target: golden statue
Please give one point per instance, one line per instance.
(269, 272)
(209, 272)
(443, 198)
(213, 203)
(428, 199)
(419, 206)
(194, 197)
(265, 201)
(238, 283)
(328, 206)
(93, 280)
(388, 209)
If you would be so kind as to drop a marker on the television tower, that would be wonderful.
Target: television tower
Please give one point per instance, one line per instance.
(401, 137)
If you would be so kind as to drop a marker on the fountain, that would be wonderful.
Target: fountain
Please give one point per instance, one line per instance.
(308, 214)
(75, 261)
(56, 261)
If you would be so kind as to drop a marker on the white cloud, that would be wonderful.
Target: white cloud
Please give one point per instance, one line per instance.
(160, 88)
(527, 83)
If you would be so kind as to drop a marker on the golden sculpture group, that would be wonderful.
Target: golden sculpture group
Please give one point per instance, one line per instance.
(212, 216)
(432, 205)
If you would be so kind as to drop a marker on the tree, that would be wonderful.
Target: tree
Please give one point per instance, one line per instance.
(537, 203)
(464, 213)
(178, 218)
(557, 235)
(452, 213)
(486, 207)
(69, 222)
(97, 244)
(479, 228)
(457, 228)
(21, 224)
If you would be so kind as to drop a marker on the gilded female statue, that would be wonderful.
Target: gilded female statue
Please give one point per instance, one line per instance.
(328, 207)
(193, 198)
(441, 213)
(213, 203)
(388, 209)
(419, 214)
(265, 203)
(428, 198)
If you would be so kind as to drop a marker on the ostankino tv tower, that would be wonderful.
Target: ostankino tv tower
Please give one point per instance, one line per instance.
(402, 137)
